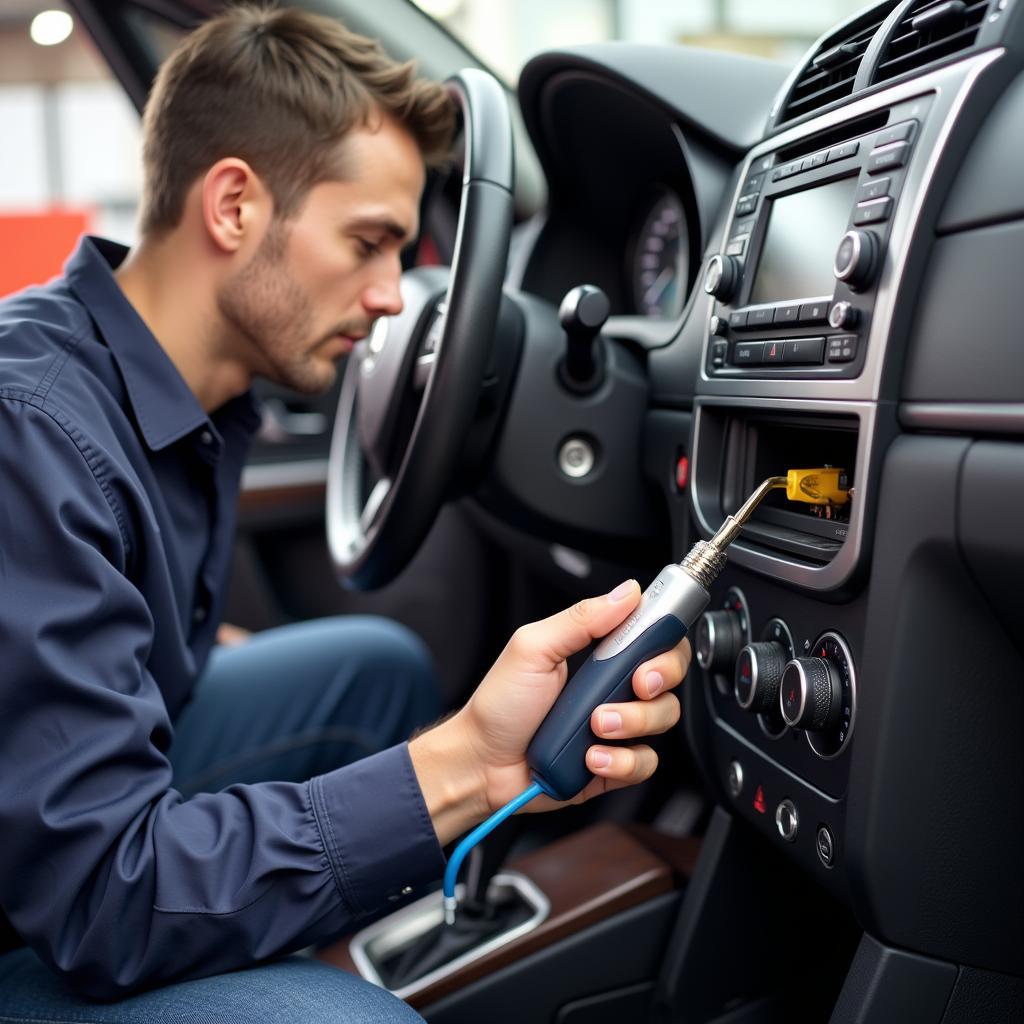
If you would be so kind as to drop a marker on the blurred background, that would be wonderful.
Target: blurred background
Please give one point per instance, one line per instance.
(70, 160)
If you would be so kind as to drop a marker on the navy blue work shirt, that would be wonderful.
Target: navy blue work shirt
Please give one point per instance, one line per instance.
(117, 510)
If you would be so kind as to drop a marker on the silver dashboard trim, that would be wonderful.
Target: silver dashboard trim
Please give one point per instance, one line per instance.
(814, 577)
(406, 924)
(273, 476)
(949, 86)
(982, 417)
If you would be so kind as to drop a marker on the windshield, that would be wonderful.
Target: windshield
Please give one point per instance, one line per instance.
(506, 33)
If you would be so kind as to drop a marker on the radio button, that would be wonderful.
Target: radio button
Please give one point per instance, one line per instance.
(746, 205)
(774, 351)
(897, 133)
(856, 258)
(760, 316)
(804, 350)
(736, 246)
(873, 211)
(719, 350)
(747, 353)
(816, 160)
(888, 159)
(788, 314)
(843, 315)
(842, 348)
(875, 189)
(842, 152)
(753, 183)
(738, 319)
(814, 313)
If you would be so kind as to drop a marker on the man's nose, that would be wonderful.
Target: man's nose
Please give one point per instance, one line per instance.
(383, 297)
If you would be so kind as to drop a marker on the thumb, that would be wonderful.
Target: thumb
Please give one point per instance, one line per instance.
(569, 631)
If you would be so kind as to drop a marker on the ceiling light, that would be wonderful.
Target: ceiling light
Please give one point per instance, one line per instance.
(51, 27)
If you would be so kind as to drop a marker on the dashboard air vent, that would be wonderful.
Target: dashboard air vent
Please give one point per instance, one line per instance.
(829, 75)
(930, 31)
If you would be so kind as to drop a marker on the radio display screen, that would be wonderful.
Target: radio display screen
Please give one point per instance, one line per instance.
(800, 242)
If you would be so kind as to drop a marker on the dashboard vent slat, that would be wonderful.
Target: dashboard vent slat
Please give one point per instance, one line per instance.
(829, 74)
(931, 30)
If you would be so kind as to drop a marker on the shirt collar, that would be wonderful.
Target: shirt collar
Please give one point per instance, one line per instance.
(164, 406)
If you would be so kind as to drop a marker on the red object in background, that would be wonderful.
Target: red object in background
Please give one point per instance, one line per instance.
(34, 246)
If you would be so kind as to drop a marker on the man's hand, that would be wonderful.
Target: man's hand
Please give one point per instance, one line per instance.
(475, 762)
(232, 636)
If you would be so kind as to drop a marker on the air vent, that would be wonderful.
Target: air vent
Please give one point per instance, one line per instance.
(829, 75)
(931, 30)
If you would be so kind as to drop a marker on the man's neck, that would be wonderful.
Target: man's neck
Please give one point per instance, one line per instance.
(171, 289)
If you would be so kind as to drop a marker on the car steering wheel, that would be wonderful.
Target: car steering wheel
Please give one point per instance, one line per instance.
(391, 463)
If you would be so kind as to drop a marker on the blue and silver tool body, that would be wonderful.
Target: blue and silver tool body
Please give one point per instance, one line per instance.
(669, 607)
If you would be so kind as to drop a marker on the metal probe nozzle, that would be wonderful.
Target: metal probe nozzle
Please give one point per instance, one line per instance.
(706, 559)
(731, 527)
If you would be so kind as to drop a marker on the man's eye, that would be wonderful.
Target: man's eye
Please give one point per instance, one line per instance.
(368, 248)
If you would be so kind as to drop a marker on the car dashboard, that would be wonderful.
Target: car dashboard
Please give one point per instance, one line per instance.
(815, 270)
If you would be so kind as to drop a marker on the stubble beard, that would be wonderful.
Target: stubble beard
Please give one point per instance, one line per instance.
(269, 308)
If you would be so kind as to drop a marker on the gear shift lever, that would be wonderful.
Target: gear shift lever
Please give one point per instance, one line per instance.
(582, 314)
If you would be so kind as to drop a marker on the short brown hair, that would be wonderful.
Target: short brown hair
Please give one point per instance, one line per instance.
(278, 88)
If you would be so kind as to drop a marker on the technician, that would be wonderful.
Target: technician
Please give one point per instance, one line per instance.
(164, 816)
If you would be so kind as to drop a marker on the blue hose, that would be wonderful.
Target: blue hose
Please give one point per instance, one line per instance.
(451, 872)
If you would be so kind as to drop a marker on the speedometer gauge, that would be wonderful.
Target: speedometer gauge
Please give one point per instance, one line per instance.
(661, 259)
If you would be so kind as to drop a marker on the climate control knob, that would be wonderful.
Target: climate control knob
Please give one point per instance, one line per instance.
(759, 670)
(811, 695)
(856, 258)
(722, 277)
(720, 635)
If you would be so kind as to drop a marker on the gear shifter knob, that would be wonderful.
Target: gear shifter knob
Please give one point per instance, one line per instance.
(582, 314)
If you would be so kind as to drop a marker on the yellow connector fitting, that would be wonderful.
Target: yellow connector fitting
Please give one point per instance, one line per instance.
(826, 486)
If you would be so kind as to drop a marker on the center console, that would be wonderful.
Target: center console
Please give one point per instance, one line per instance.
(808, 293)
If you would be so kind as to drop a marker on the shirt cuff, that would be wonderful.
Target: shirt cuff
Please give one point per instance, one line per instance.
(376, 830)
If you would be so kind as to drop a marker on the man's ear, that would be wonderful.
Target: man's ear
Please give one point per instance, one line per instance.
(236, 204)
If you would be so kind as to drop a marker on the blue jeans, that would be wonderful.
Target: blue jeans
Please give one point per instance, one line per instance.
(291, 703)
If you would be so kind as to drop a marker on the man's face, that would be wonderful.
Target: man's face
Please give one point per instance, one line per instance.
(319, 280)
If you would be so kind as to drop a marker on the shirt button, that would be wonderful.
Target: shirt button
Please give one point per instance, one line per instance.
(199, 613)
(206, 437)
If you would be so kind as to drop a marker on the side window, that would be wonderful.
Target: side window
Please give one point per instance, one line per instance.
(70, 161)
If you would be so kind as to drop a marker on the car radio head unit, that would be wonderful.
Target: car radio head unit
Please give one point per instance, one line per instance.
(802, 230)
(795, 285)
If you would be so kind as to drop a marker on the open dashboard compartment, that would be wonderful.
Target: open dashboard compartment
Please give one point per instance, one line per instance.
(740, 447)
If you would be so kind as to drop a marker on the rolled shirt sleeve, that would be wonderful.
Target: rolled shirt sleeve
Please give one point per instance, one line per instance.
(105, 870)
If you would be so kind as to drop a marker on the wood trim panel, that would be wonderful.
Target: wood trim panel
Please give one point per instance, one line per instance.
(589, 876)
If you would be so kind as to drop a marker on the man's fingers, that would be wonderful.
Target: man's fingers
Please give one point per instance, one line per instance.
(637, 718)
(623, 765)
(665, 672)
(557, 637)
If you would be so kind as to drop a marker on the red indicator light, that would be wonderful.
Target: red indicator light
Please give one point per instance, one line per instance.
(759, 805)
(682, 472)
